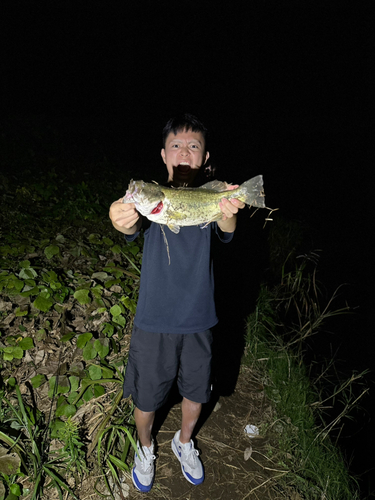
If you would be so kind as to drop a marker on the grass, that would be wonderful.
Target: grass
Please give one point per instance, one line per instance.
(285, 317)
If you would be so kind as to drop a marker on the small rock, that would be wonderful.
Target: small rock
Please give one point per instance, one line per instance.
(217, 406)
(247, 453)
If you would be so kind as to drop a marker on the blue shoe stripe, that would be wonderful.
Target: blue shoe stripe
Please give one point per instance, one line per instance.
(193, 479)
(140, 486)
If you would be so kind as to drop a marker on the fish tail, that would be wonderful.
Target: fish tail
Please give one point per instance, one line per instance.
(252, 192)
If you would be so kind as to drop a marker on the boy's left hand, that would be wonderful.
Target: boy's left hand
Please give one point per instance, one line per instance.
(230, 207)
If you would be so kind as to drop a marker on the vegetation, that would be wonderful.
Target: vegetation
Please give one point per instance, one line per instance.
(286, 316)
(68, 292)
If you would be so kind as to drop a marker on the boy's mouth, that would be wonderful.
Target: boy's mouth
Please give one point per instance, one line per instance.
(183, 168)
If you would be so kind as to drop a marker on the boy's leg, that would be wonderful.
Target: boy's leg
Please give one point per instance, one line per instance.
(143, 472)
(182, 444)
(144, 421)
(190, 415)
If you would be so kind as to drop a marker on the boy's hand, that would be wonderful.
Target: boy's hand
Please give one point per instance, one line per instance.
(124, 217)
(230, 207)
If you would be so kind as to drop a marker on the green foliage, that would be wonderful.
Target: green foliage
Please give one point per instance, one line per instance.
(285, 317)
(68, 281)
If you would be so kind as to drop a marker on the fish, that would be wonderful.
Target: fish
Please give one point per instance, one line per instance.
(186, 206)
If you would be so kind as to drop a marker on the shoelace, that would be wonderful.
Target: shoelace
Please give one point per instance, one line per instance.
(146, 460)
(191, 456)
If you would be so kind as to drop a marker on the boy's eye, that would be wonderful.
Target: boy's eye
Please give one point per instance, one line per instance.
(194, 146)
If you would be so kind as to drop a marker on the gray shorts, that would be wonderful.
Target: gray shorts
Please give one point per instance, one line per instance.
(156, 359)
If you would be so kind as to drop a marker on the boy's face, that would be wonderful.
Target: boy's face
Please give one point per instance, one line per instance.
(184, 154)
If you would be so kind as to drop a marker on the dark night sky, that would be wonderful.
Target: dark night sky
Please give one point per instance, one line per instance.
(283, 86)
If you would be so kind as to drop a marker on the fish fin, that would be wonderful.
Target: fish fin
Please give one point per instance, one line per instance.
(252, 192)
(174, 228)
(215, 218)
(215, 186)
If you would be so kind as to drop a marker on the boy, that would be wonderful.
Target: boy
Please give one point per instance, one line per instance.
(175, 311)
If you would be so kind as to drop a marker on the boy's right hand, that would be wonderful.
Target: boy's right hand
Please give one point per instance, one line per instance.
(124, 217)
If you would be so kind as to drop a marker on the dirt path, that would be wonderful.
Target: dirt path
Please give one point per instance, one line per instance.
(223, 444)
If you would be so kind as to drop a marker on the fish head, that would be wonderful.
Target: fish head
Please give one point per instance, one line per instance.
(147, 198)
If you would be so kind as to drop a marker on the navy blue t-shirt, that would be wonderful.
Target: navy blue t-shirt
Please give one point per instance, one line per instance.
(177, 293)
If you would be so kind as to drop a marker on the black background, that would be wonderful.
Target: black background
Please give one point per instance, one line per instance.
(284, 87)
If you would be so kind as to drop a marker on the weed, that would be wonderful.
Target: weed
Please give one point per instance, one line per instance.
(284, 318)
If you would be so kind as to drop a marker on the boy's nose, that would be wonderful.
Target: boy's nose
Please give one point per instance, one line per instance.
(184, 151)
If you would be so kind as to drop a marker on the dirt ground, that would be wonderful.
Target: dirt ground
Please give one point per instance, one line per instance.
(236, 466)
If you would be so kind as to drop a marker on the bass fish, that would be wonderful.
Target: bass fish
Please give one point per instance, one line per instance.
(185, 206)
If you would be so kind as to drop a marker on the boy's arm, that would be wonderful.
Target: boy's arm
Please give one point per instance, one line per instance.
(125, 217)
(229, 209)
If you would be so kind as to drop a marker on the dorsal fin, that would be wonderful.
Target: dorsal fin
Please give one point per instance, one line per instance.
(215, 186)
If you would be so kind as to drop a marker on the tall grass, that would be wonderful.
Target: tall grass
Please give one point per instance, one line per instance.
(286, 316)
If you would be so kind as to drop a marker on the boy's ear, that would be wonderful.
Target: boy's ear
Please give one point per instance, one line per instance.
(163, 155)
(207, 157)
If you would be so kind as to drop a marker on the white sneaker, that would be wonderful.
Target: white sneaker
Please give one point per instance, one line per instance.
(191, 465)
(143, 472)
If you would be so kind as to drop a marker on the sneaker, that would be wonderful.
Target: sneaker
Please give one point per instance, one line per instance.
(143, 472)
(191, 465)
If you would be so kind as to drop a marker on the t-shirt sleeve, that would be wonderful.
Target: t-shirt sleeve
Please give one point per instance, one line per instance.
(224, 237)
(131, 237)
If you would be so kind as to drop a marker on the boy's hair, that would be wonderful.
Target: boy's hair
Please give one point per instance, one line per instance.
(183, 122)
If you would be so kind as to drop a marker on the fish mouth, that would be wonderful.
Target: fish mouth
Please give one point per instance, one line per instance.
(158, 208)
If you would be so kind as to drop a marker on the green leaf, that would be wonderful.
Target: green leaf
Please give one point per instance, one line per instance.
(129, 303)
(63, 385)
(89, 351)
(11, 497)
(82, 296)
(66, 410)
(67, 337)
(99, 390)
(11, 382)
(88, 394)
(28, 273)
(16, 489)
(26, 343)
(14, 352)
(120, 320)
(83, 339)
(42, 303)
(107, 242)
(102, 346)
(108, 329)
(95, 239)
(51, 250)
(95, 372)
(99, 276)
(20, 313)
(116, 249)
(38, 380)
(74, 383)
(115, 310)
(56, 425)
(72, 396)
(119, 463)
(112, 282)
(134, 249)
